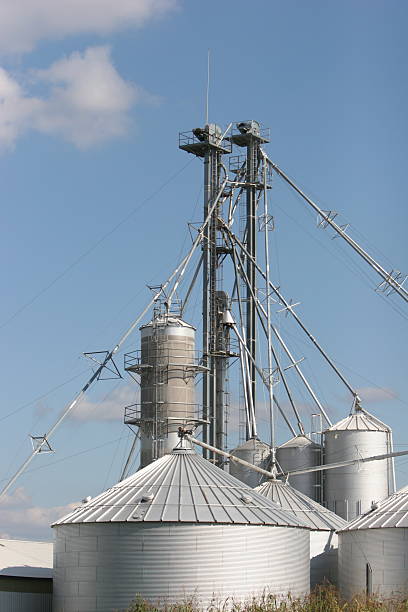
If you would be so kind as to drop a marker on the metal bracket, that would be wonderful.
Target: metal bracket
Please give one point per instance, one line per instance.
(266, 223)
(289, 307)
(343, 229)
(329, 215)
(295, 363)
(41, 444)
(269, 377)
(387, 286)
(112, 368)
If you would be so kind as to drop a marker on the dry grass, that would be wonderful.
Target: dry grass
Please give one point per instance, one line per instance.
(322, 599)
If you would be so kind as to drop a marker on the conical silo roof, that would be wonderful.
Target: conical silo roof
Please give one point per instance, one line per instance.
(298, 441)
(252, 444)
(182, 487)
(316, 516)
(390, 512)
(360, 421)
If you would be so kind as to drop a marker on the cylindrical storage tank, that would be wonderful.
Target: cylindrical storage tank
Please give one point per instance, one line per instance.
(179, 527)
(297, 453)
(254, 451)
(167, 371)
(351, 490)
(373, 550)
(323, 526)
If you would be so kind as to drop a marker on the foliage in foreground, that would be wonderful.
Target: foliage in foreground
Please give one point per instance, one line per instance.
(322, 599)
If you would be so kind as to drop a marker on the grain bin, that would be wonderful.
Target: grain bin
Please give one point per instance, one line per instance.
(254, 451)
(351, 490)
(323, 525)
(373, 550)
(167, 365)
(178, 527)
(298, 453)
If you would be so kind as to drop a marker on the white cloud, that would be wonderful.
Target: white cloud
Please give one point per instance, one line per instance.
(87, 101)
(375, 394)
(23, 23)
(23, 520)
(109, 409)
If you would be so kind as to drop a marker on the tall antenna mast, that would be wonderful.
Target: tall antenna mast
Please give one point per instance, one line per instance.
(208, 87)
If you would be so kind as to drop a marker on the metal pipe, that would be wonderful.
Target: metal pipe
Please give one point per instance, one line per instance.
(332, 466)
(280, 370)
(258, 369)
(386, 276)
(268, 314)
(196, 242)
(130, 456)
(229, 456)
(94, 377)
(297, 319)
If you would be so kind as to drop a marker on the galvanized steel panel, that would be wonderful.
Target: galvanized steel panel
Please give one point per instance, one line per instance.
(391, 512)
(253, 451)
(180, 487)
(313, 514)
(25, 602)
(350, 490)
(373, 546)
(173, 561)
(298, 453)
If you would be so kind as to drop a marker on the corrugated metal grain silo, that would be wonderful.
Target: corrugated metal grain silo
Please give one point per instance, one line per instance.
(373, 550)
(297, 453)
(323, 525)
(254, 451)
(351, 490)
(167, 366)
(178, 527)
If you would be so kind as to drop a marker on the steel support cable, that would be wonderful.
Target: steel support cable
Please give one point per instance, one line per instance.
(386, 276)
(236, 284)
(296, 366)
(268, 314)
(95, 245)
(258, 369)
(241, 320)
(280, 369)
(88, 384)
(196, 242)
(130, 456)
(289, 308)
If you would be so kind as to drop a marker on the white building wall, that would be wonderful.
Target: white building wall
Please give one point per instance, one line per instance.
(386, 550)
(101, 567)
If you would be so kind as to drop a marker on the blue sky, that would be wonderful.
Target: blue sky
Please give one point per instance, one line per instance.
(96, 199)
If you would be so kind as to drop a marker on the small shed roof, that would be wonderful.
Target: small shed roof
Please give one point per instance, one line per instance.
(24, 558)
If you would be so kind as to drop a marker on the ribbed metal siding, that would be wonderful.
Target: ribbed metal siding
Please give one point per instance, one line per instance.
(387, 552)
(255, 452)
(296, 457)
(25, 602)
(323, 557)
(349, 491)
(167, 387)
(102, 567)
